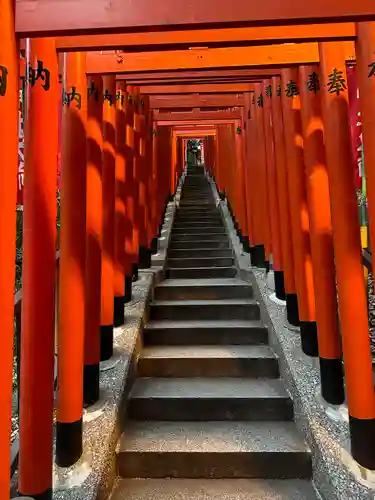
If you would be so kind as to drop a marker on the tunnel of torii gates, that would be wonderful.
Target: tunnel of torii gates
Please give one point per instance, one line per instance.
(116, 93)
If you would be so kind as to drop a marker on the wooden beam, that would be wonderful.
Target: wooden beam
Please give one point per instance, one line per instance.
(195, 133)
(67, 17)
(284, 55)
(229, 37)
(193, 123)
(197, 101)
(197, 115)
(169, 75)
(209, 88)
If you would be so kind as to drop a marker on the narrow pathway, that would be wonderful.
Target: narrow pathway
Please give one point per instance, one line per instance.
(209, 417)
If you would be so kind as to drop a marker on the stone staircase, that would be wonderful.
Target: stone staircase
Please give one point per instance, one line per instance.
(208, 417)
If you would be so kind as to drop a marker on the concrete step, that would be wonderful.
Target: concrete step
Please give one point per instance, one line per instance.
(221, 399)
(199, 237)
(208, 361)
(202, 272)
(200, 289)
(202, 244)
(244, 309)
(207, 489)
(266, 450)
(201, 219)
(200, 262)
(198, 224)
(199, 230)
(216, 332)
(200, 252)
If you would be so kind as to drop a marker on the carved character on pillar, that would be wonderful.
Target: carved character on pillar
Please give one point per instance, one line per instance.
(39, 73)
(108, 97)
(3, 80)
(92, 91)
(269, 91)
(313, 83)
(260, 101)
(69, 97)
(119, 96)
(291, 89)
(372, 70)
(336, 82)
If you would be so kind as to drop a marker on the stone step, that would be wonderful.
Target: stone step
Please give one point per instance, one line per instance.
(201, 219)
(202, 244)
(265, 450)
(221, 399)
(197, 224)
(200, 252)
(200, 262)
(199, 230)
(201, 272)
(208, 361)
(216, 332)
(201, 289)
(244, 309)
(199, 237)
(207, 489)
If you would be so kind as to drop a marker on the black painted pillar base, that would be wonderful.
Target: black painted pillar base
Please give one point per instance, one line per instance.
(135, 271)
(332, 380)
(46, 495)
(240, 236)
(246, 244)
(128, 288)
(144, 258)
(267, 266)
(90, 384)
(171, 198)
(106, 342)
(309, 338)
(119, 311)
(68, 443)
(222, 196)
(258, 256)
(292, 309)
(154, 246)
(279, 285)
(362, 439)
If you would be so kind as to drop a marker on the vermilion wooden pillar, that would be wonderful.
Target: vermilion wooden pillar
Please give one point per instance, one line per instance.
(130, 234)
(155, 187)
(348, 259)
(329, 340)
(274, 205)
(39, 273)
(72, 263)
(247, 125)
(299, 215)
(263, 199)
(285, 222)
(240, 181)
(94, 237)
(108, 253)
(134, 93)
(142, 178)
(8, 195)
(122, 267)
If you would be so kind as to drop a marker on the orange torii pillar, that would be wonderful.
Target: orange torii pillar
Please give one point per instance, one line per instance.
(284, 215)
(154, 184)
(134, 96)
(261, 179)
(108, 247)
(248, 244)
(9, 103)
(239, 161)
(299, 215)
(348, 260)
(274, 206)
(142, 172)
(39, 271)
(122, 267)
(151, 181)
(329, 340)
(94, 200)
(124, 147)
(252, 207)
(131, 240)
(71, 325)
(220, 163)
